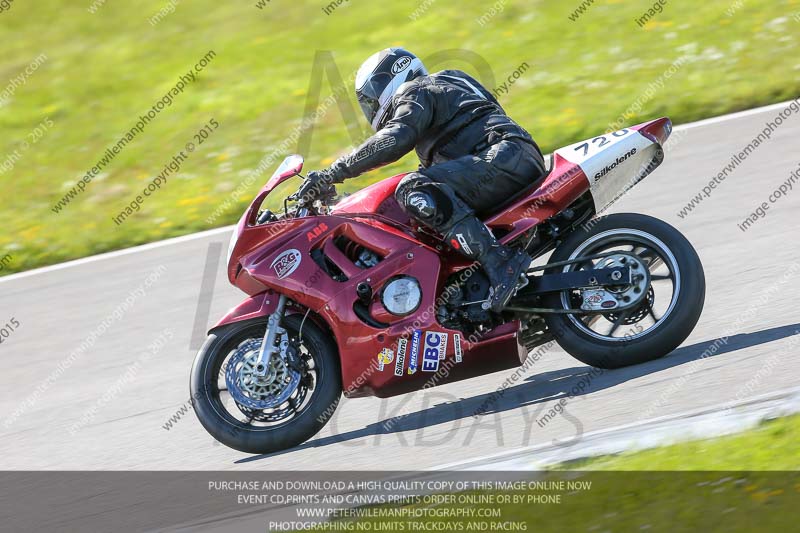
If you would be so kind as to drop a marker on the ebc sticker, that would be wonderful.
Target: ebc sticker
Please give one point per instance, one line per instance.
(433, 349)
(287, 262)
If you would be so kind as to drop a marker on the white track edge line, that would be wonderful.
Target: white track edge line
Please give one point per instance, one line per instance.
(734, 116)
(622, 427)
(118, 253)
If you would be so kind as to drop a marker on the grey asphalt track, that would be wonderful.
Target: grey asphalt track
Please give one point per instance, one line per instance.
(105, 406)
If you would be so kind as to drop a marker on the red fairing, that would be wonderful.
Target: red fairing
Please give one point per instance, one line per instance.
(281, 256)
(377, 198)
(254, 307)
(369, 199)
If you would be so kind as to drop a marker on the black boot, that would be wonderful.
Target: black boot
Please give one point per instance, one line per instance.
(504, 266)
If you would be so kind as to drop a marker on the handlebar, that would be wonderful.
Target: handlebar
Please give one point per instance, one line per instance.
(322, 197)
(302, 209)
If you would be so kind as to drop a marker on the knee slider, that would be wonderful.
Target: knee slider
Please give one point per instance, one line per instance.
(409, 182)
(423, 199)
(414, 195)
(421, 205)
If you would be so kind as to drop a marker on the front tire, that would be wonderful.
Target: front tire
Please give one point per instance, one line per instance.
(633, 343)
(287, 425)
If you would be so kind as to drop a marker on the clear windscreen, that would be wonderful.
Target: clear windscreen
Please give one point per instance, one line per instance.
(292, 165)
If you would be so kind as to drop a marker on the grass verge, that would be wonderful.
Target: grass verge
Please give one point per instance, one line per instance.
(774, 445)
(106, 63)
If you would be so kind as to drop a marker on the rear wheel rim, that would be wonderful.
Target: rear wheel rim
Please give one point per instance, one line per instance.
(664, 271)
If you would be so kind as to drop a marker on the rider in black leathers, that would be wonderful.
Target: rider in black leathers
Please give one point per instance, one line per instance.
(473, 157)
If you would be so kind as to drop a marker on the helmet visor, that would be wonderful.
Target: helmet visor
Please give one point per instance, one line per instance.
(369, 106)
(370, 91)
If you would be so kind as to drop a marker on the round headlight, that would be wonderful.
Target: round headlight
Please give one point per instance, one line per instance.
(401, 295)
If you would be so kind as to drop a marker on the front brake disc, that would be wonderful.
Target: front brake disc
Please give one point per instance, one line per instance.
(259, 392)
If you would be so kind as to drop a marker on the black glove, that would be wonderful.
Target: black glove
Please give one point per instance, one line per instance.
(318, 185)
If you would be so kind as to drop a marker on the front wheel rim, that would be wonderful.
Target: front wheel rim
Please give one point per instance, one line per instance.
(237, 414)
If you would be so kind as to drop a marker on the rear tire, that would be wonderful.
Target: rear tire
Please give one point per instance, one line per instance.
(249, 438)
(668, 333)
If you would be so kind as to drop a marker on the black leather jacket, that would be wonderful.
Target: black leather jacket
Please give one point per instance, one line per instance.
(444, 116)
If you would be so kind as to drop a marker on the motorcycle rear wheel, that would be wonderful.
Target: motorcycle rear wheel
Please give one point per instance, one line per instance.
(663, 248)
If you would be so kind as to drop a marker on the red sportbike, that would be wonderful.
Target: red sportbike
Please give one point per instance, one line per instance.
(354, 297)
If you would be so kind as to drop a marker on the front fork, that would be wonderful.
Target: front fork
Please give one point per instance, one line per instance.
(268, 346)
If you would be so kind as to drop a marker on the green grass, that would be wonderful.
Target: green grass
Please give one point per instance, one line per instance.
(104, 69)
(774, 445)
(744, 482)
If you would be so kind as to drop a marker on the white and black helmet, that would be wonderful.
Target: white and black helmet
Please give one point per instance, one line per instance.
(379, 78)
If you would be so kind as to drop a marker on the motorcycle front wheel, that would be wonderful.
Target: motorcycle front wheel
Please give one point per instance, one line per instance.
(264, 414)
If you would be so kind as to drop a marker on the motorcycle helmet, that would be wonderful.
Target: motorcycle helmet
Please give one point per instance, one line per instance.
(378, 79)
